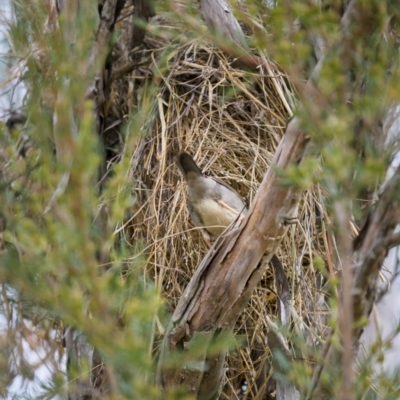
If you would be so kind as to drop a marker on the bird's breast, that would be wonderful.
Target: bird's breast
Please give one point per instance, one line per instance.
(214, 217)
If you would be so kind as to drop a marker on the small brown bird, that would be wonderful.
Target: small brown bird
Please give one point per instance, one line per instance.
(212, 204)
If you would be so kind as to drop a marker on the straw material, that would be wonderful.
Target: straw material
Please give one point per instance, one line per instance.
(231, 122)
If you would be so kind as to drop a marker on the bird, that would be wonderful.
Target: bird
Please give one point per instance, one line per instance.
(212, 204)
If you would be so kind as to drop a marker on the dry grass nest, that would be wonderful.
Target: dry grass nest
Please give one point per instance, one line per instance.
(231, 121)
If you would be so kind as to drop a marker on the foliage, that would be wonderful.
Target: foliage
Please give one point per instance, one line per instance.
(69, 262)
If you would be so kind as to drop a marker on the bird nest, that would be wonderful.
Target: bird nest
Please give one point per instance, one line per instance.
(231, 122)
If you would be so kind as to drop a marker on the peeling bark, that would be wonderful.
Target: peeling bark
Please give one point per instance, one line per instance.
(227, 277)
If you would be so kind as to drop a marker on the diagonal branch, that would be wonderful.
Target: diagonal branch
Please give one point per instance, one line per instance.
(378, 238)
(224, 282)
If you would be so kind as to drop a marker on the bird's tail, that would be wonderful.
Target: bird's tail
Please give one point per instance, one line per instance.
(186, 164)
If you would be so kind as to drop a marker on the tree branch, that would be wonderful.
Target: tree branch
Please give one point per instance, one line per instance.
(226, 279)
(378, 239)
(220, 20)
